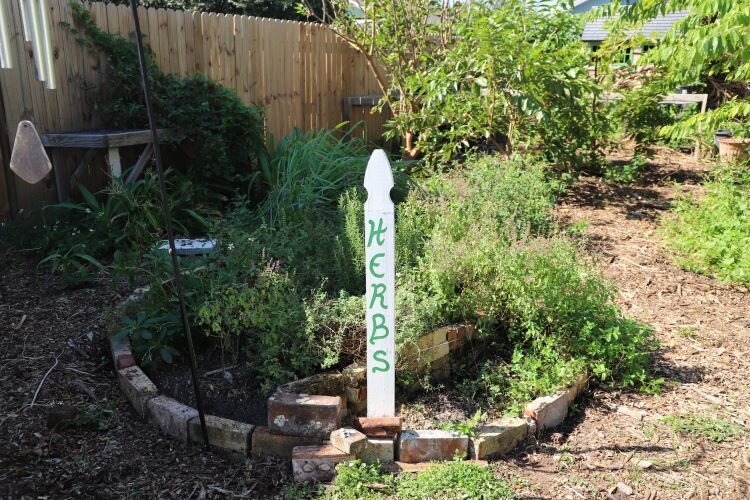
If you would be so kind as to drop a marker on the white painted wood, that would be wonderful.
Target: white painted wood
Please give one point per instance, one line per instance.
(380, 262)
(113, 160)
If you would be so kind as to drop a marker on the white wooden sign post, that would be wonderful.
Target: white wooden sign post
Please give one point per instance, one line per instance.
(380, 261)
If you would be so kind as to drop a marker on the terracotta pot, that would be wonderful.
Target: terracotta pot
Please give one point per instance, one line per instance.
(732, 149)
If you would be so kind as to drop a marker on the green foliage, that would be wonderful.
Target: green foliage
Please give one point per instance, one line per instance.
(717, 430)
(223, 136)
(627, 173)
(514, 74)
(467, 428)
(641, 116)
(707, 47)
(711, 235)
(451, 480)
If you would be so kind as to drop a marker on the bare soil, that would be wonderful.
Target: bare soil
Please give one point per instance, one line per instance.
(704, 330)
(53, 355)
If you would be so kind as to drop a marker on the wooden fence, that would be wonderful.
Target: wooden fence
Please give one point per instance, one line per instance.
(298, 72)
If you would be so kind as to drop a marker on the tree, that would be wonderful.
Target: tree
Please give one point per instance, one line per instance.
(398, 40)
(710, 47)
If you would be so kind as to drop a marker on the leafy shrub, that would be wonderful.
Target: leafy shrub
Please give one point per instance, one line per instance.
(513, 74)
(224, 137)
(711, 235)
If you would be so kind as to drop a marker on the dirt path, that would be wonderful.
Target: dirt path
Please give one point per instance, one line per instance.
(704, 330)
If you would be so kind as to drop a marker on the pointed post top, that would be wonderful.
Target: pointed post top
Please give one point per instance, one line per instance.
(379, 180)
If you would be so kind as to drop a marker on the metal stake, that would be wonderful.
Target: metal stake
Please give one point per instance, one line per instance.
(168, 218)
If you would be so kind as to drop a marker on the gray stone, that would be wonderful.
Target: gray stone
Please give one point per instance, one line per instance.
(223, 434)
(304, 415)
(323, 384)
(428, 445)
(349, 441)
(499, 437)
(137, 387)
(548, 411)
(171, 416)
(317, 463)
(265, 443)
(381, 450)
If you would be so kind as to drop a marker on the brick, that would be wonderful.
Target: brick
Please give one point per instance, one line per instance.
(427, 445)
(356, 394)
(577, 388)
(171, 416)
(323, 384)
(317, 463)
(548, 411)
(456, 337)
(122, 355)
(349, 441)
(381, 450)
(265, 443)
(355, 375)
(304, 415)
(384, 427)
(137, 387)
(435, 353)
(497, 438)
(432, 339)
(223, 434)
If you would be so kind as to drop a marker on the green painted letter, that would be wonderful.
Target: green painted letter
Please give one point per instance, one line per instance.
(378, 291)
(379, 356)
(378, 323)
(377, 233)
(374, 264)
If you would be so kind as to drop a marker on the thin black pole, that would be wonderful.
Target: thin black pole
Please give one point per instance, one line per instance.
(168, 218)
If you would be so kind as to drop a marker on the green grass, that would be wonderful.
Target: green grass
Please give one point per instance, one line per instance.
(711, 235)
(451, 480)
(712, 429)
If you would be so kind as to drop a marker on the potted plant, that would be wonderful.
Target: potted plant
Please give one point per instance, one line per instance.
(733, 142)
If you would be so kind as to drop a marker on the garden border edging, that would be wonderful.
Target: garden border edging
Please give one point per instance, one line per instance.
(314, 457)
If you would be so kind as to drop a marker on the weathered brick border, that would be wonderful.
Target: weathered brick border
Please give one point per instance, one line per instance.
(312, 456)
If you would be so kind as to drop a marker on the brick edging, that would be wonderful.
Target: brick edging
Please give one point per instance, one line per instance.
(180, 421)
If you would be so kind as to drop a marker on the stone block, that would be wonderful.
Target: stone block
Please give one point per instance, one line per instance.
(223, 434)
(265, 443)
(324, 384)
(317, 463)
(548, 411)
(304, 415)
(355, 375)
(355, 394)
(378, 427)
(429, 445)
(436, 352)
(381, 450)
(349, 441)
(497, 438)
(432, 339)
(122, 355)
(137, 387)
(456, 337)
(171, 416)
(577, 388)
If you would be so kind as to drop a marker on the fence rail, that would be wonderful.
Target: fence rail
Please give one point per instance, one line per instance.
(298, 72)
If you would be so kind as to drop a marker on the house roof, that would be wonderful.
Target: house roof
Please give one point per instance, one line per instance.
(596, 31)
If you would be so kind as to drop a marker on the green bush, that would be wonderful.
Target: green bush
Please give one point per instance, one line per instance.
(711, 235)
(224, 138)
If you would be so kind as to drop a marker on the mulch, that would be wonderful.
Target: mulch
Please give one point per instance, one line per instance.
(53, 355)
